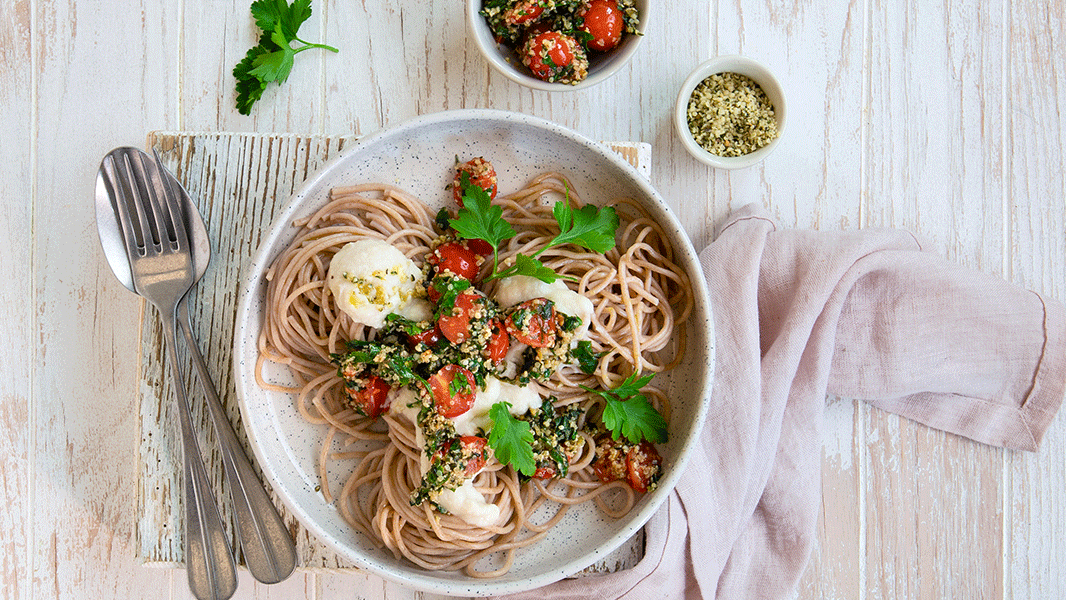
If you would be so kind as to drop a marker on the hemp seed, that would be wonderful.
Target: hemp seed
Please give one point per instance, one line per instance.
(730, 115)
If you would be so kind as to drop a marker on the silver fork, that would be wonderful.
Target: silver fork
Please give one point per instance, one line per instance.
(157, 245)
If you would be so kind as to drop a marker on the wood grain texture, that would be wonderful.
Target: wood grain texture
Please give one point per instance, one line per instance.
(1035, 484)
(944, 118)
(16, 306)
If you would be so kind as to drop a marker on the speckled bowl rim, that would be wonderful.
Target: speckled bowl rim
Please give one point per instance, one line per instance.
(265, 412)
(505, 61)
(743, 65)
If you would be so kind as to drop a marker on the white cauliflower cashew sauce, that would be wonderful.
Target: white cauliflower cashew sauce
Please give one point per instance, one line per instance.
(465, 501)
(371, 279)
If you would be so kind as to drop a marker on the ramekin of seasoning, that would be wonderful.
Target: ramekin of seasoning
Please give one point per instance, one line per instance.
(730, 112)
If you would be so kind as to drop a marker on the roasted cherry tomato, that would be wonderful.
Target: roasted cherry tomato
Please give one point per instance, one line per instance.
(456, 326)
(370, 396)
(480, 172)
(603, 22)
(610, 463)
(479, 247)
(498, 344)
(533, 322)
(643, 465)
(473, 446)
(548, 54)
(430, 337)
(454, 389)
(544, 473)
(523, 12)
(456, 258)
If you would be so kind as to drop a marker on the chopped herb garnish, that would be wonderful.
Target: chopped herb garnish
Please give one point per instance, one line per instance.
(628, 413)
(587, 360)
(511, 439)
(588, 227)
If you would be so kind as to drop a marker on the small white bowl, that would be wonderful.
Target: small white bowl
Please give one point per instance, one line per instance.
(504, 59)
(742, 66)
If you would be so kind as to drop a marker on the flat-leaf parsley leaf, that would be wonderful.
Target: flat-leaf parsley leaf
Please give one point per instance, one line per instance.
(628, 413)
(588, 227)
(273, 57)
(511, 439)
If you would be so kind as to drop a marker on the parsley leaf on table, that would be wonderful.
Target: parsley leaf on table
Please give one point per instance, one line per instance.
(511, 439)
(628, 413)
(273, 57)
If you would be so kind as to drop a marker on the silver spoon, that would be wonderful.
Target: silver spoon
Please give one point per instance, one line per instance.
(159, 257)
(269, 551)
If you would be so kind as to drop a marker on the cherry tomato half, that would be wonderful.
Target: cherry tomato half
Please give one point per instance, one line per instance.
(642, 466)
(370, 396)
(473, 446)
(523, 12)
(481, 173)
(456, 258)
(532, 322)
(453, 398)
(603, 21)
(544, 473)
(430, 337)
(456, 326)
(548, 54)
(610, 463)
(499, 343)
(479, 247)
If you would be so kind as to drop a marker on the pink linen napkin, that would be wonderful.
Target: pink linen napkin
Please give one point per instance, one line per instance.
(799, 314)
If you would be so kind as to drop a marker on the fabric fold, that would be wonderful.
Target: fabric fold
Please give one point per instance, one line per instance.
(801, 314)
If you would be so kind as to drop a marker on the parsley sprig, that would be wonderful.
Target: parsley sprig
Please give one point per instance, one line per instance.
(511, 439)
(273, 57)
(628, 412)
(588, 227)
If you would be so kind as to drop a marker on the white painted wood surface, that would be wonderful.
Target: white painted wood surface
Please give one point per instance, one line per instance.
(941, 117)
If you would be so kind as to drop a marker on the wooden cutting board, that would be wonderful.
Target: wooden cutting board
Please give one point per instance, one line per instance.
(239, 182)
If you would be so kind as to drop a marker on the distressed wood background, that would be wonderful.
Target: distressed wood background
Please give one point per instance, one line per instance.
(945, 118)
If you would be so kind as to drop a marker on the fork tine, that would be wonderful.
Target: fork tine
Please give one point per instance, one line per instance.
(141, 204)
(149, 204)
(174, 203)
(120, 180)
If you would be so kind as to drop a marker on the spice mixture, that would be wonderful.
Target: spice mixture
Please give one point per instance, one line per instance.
(730, 115)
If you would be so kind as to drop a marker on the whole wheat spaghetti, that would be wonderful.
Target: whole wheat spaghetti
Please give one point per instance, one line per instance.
(639, 296)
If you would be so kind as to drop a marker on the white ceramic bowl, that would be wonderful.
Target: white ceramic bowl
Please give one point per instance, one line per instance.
(729, 64)
(286, 446)
(505, 61)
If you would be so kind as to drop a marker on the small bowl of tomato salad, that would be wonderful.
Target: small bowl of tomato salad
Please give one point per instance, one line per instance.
(557, 45)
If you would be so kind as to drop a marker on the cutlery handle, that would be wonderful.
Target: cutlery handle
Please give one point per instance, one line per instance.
(269, 551)
(209, 561)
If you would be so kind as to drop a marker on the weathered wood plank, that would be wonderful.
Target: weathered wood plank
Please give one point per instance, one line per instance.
(1035, 198)
(812, 186)
(16, 305)
(82, 414)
